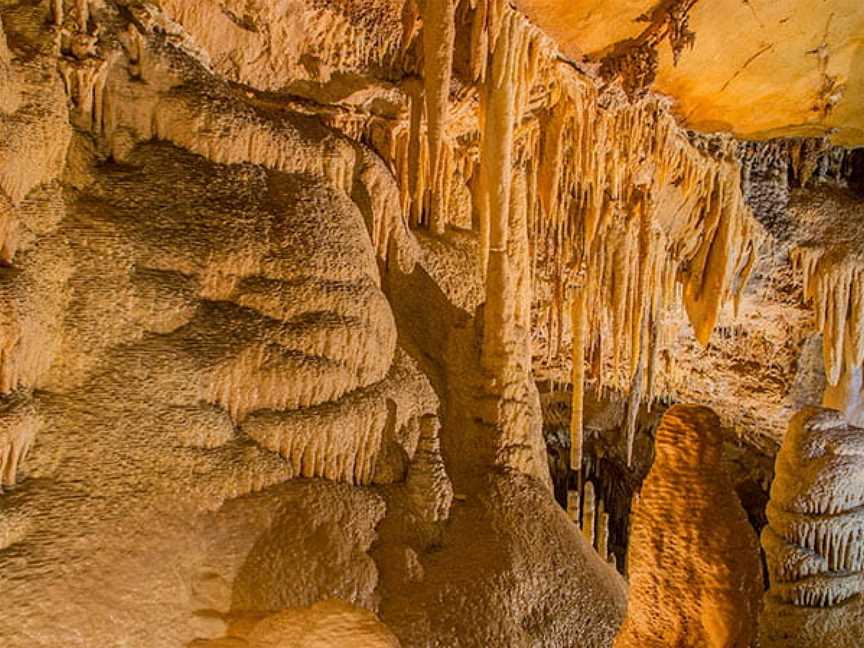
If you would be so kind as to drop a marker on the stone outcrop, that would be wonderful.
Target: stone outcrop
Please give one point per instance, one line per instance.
(788, 67)
(201, 361)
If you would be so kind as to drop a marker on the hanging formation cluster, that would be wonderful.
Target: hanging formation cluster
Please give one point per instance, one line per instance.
(836, 290)
(804, 190)
(626, 217)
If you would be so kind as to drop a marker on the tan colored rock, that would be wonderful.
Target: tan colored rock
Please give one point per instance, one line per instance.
(693, 559)
(19, 424)
(329, 623)
(162, 304)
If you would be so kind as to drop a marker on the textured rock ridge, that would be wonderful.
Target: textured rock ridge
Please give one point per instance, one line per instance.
(322, 625)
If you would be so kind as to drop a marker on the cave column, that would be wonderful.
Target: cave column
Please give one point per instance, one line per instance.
(496, 161)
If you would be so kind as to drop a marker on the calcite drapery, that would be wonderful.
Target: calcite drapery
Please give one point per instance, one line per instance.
(602, 176)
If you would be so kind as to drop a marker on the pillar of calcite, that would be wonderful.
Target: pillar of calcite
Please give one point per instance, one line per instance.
(573, 505)
(814, 541)
(693, 559)
(603, 534)
(588, 513)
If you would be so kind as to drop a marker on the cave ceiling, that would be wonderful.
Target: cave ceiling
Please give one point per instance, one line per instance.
(756, 68)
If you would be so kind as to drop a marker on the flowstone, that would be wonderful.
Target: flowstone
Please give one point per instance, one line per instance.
(813, 543)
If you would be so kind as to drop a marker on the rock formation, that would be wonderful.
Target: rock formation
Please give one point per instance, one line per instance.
(693, 562)
(196, 318)
(813, 544)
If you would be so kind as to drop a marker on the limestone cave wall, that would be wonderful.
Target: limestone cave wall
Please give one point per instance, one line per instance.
(312, 309)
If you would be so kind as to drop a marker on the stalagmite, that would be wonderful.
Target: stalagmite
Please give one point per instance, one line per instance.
(693, 559)
(603, 534)
(439, 32)
(573, 500)
(814, 541)
(589, 513)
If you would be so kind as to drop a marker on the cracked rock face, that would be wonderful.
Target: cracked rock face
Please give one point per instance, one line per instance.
(756, 69)
(813, 543)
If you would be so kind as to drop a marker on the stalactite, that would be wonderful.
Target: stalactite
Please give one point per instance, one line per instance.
(83, 13)
(479, 41)
(836, 290)
(496, 164)
(416, 175)
(604, 175)
(57, 12)
(497, 18)
(634, 399)
(410, 24)
(550, 163)
(439, 32)
(579, 315)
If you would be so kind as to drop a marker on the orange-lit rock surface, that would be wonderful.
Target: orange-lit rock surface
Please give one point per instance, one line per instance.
(757, 69)
(322, 625)
(693, 562)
